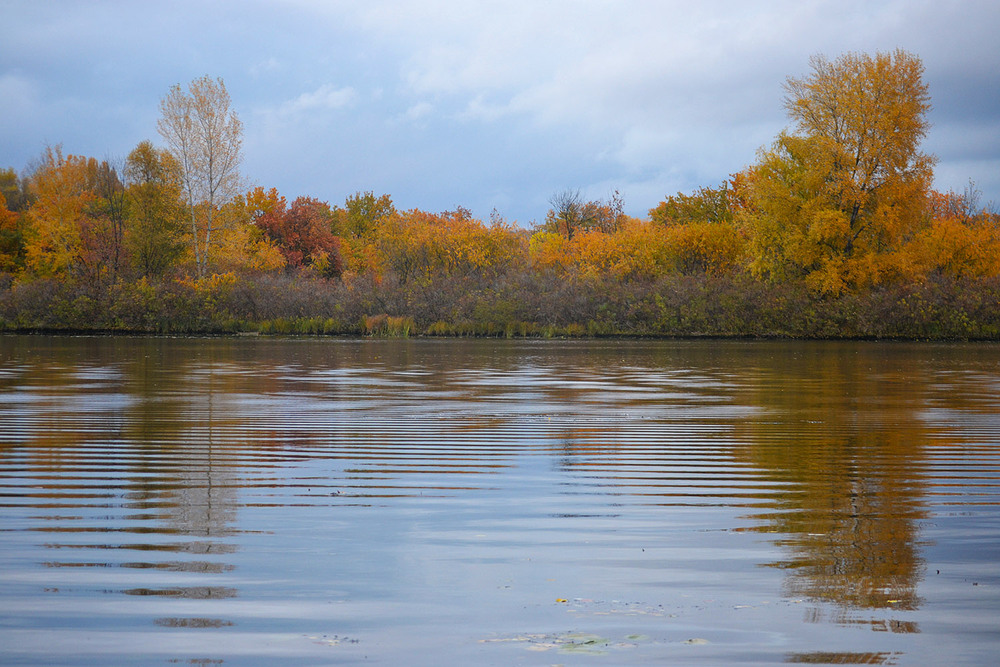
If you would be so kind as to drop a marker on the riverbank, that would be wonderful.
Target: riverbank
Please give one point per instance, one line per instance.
(512, 307)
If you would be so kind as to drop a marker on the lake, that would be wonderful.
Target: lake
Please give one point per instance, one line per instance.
(257, 501)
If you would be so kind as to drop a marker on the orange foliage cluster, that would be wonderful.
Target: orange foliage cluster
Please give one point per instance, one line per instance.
(719, 231)
(842, 205)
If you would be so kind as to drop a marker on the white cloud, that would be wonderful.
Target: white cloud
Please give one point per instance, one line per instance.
(325, 98)
(493, 100)
(418, 111)
(265, 67)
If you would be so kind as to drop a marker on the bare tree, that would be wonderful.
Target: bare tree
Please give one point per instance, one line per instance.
(567, 213)
(110, 188)
(205, 137)
(570, 214)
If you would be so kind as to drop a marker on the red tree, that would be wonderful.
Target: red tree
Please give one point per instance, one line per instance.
(304, 234)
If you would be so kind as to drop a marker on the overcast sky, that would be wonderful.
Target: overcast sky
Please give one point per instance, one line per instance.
(445, 103)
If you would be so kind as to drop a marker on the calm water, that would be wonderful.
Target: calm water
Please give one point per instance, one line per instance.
(315, 502)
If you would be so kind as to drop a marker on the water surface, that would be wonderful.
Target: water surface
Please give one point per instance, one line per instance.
(314, 502)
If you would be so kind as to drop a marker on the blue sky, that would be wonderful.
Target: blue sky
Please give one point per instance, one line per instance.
(445, 103)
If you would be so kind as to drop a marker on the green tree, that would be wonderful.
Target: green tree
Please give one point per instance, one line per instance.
(14, 190)
(703, 205)
(365, 213)
(155, 233)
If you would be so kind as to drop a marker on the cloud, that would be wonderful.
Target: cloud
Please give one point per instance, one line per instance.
(265, 67)
(325, 98)
(439, 102)
(418, 111)
(19, 95)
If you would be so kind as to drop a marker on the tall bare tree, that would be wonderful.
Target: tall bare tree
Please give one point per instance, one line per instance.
(111, 190)
(205, 136)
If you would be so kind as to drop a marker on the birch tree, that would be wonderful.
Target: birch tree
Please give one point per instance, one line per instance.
(205, 137)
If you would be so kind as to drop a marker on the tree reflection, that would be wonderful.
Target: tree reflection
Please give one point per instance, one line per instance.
(123, 433)
(840, 428)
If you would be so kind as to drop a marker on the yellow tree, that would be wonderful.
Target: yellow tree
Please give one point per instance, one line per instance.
(205, 136)
(63, 190)
(241, 245)
(363, 219)
(704, 205)
(699, 229)
(962, 239)
(836, 199)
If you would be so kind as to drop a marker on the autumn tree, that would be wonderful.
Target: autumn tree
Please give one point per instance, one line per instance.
(420, 246)
(260, 202)
(11, 240)
(205, 136)
(364, 212)
(358, 225)
(699, 230)
(240, 245)
(303, 233)
(703, 205)
(63, 189)
(838, 197)
(571, 214)
(13, 204)
(962, 238)
(155, 232)
(966, 205)
(14, 190)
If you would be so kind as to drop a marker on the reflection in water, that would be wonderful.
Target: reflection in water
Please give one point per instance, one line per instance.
(192, 623)
(823, 658)
(848, 433)
(190, 593)
(251, 497)
(131, 457)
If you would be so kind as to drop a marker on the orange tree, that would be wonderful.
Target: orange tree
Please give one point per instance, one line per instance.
(836, 200)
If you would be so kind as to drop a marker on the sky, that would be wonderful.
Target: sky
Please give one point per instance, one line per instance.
(489, 105)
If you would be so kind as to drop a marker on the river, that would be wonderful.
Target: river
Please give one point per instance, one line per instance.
(246, 501)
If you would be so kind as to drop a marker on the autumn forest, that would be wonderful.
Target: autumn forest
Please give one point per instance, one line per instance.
(834, 230)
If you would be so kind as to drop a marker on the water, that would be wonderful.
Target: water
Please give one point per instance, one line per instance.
(317, 502)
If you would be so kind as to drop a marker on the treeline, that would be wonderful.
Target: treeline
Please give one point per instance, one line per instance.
(833, 232)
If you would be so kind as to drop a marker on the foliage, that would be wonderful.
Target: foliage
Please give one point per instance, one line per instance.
(155, 233)
(571, 215)
(641, 251)
(836, 202)
(704, 205)
(11, 238)
(961, 239)
(364, 213)
(240, 245)
(63, 190)
(303, 233)
(415, 245)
